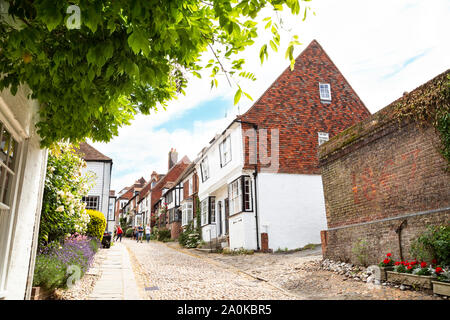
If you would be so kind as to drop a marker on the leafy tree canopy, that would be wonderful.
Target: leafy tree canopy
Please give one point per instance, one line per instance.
(125, 57)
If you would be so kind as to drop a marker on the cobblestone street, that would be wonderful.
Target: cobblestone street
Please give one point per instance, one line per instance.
(171, 272)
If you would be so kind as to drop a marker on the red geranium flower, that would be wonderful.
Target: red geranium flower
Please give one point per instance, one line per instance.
(423, 264)
(386, 261)
(389, 255)
(439, 270)
(433, 261)
(409, 267)
(397, 263)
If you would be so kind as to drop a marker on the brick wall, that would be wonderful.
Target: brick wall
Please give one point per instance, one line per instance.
(376, 175)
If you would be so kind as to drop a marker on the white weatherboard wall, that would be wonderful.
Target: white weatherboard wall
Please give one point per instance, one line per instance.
(291, 209)
(102, 171)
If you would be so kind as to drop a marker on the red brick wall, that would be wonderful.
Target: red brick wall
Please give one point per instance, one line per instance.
(391, 172)
(292, 105)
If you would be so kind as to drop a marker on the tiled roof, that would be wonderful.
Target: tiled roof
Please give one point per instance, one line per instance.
(89, 153)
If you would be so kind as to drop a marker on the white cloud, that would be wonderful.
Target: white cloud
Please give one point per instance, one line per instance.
(370, 42)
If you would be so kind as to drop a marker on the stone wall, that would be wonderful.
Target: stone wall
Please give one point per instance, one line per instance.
(376, 175)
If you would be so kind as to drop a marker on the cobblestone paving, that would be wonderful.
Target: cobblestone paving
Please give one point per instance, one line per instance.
(189, 274)
(184, 276)
(300, 273)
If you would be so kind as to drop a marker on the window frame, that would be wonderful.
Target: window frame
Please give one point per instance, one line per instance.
(187, 213)
(325, 95)
(225, 145)
(90, 208)
(322, 136)
(8, 205)
(241, 195)
(204, 169)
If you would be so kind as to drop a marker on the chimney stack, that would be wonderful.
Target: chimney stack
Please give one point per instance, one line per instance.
(173, 157)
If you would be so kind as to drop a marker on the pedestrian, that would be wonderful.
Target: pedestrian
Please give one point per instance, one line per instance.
(134, 233)
(147, 232)
(140, 234)
(119, 233)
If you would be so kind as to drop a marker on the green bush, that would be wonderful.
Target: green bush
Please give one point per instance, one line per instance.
(97, 225)
(163, 234)
(434, 243)
(189, 238)
(129, 233)
(154, 234)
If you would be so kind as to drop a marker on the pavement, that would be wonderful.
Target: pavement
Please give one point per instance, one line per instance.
(117, 281)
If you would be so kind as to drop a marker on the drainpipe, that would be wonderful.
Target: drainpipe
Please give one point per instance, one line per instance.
(255, 174)
(398, 230)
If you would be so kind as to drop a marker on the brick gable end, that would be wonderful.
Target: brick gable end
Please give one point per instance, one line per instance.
(292, 105)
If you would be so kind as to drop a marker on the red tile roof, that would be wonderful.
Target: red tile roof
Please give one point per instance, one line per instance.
(89, 153)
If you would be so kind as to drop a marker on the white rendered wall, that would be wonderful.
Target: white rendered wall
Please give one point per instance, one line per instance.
(291, 209)
(219, 175)
(243, 231)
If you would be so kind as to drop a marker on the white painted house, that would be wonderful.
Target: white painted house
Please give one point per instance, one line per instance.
(98, 197)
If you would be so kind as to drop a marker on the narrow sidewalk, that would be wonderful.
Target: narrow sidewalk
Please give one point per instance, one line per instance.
(117, 281)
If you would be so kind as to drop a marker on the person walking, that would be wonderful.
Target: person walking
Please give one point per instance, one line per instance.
(119, 233)
(140, 233)
(147, 232)
(134, 233)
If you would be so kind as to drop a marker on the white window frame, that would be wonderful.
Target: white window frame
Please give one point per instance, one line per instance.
(225, 151)
(204, 168)
(204, 212)
(8, 209)
(187, 213)
(235, 196)
(325, 91)
(240, 195)
(323, 137)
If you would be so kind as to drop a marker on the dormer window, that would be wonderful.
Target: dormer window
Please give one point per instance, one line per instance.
(325, 91)
(323, 137)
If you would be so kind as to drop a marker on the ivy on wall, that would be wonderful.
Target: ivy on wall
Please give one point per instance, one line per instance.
(430, 104)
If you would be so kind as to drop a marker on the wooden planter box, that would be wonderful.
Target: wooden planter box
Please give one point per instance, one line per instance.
(383, 273)
(410, 279)
(442, 288)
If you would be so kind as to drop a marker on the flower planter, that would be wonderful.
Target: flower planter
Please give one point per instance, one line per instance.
(383, 272)
(410, 279)
(442, 288)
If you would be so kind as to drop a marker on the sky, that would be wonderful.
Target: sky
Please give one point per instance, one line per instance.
(383, 48)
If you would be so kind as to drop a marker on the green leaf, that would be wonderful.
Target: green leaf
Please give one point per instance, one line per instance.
(237, 96)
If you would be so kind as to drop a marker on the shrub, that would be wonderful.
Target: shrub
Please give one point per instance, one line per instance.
(63, 211)
(154, 234)
(129, 233)
(240, 251)
(163, 234)
(434, 243)
(53, 260)
(189, 238)
(360, 250)
(97, 225)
